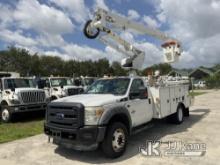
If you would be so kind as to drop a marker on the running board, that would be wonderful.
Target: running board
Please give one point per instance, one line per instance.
(142, 128)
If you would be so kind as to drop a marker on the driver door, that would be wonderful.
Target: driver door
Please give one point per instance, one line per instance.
(139, 106)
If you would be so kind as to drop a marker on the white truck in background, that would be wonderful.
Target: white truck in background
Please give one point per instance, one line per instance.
(20, 95)
(58, 87)
(84, 82)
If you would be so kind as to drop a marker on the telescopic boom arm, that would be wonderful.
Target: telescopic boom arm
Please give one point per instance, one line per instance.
(104, 21)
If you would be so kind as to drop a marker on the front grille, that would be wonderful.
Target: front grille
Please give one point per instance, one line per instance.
(65, 115)
(33, 97)
(74, 91)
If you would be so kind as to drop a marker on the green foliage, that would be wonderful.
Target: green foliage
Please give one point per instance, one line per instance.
(194, 93)
(163, 68)
(13, 131)
(20, 60)
(213, 81)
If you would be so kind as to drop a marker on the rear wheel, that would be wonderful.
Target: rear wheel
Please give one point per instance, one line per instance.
(114, 144)
(6, 115)
(178, 116)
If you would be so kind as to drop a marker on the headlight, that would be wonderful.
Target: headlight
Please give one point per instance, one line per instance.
(92, 115)
(55, 89)
(14, 101)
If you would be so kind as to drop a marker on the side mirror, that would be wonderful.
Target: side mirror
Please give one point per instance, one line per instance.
(41, 84)
(133, 95)
(13, 89)
(141, 93)
(61, 85)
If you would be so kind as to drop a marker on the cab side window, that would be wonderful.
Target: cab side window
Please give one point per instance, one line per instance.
(47, 83)
(137, 89)
(1, 84)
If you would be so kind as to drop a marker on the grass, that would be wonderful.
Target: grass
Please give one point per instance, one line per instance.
(197, 93)
(20, 129)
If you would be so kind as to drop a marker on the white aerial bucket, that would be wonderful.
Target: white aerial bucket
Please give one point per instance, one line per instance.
(172, 51)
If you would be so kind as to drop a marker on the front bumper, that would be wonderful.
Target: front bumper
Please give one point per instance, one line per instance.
(27, 108)
(85, 138)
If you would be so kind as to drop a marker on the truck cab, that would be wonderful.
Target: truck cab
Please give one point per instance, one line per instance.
(109, 111)
(20, 95)
(58, 87)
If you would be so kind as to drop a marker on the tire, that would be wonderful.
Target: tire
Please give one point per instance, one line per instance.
(186, 112)
(115, 142)
(87, 33)
(6, 115)
(178, 117)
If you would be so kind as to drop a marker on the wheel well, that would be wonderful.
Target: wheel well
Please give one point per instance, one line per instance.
(54, 97)
(120, 118)
(182, 105)
(4, 102)
(185, 110)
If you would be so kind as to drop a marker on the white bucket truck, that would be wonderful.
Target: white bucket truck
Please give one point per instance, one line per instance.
(113, 108)
(58, 87)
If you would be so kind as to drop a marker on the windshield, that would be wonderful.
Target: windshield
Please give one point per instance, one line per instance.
(89, 81)
(60, 81)
(18, 83)
(116, 86)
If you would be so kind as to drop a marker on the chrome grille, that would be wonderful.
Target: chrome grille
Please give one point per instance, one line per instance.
(33, 97)
(74, 91)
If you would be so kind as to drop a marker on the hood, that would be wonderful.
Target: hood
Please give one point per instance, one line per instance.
(91, 99)
(67, 87)
(17, 90)
(71, 86)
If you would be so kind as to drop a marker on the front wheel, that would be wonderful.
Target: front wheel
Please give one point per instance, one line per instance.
(114, 144)
(89, 31)
(6, 115)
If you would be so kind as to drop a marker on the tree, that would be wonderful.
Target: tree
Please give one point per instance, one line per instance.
(164, 69)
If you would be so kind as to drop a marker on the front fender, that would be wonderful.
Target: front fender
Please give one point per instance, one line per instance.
(5, 102)
(108, 114)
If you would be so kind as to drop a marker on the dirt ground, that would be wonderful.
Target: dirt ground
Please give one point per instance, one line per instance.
(202, 127)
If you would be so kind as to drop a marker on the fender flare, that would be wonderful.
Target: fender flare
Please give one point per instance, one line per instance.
(4, 102)
(114, 111)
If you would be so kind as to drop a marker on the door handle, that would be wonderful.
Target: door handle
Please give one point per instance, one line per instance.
(133, 111)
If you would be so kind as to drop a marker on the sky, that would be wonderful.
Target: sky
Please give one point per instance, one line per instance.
(54, 27)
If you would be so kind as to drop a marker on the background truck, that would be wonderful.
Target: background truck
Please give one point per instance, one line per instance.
(84, 82)
(20, 95)
(58, 87)
(111, 110)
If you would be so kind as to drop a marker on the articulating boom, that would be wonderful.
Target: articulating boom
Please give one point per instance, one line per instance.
(104, 21)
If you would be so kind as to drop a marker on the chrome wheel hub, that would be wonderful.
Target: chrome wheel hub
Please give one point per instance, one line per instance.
(180, 114)
(118, 140)
(5, 114)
